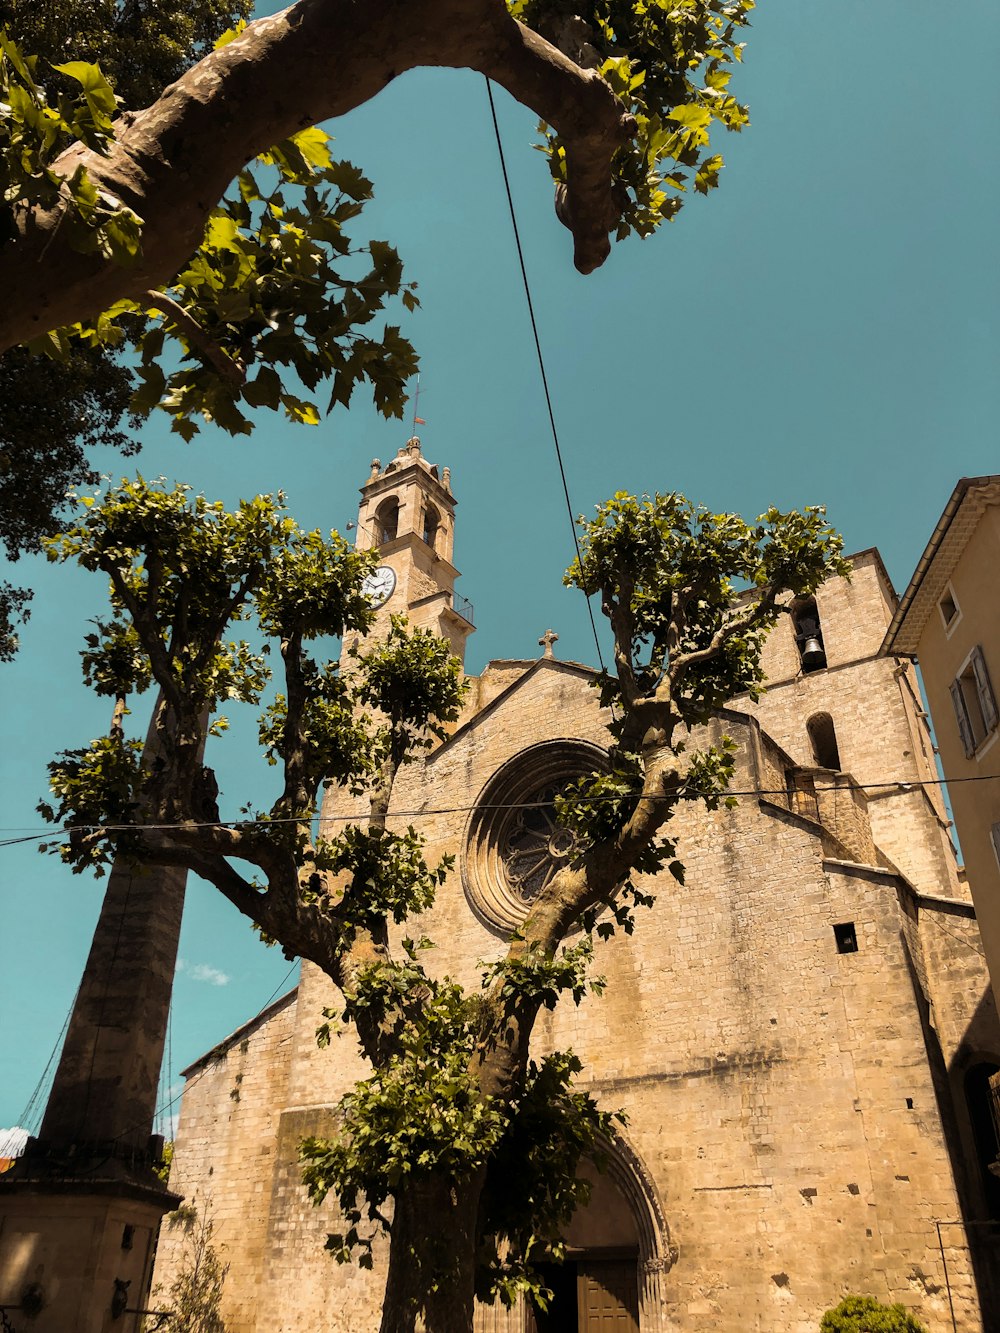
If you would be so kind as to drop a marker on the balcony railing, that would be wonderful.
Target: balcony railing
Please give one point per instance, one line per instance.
(463, 607)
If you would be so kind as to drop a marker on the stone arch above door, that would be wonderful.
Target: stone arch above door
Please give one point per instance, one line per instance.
(622, 1227)
(657, 1251)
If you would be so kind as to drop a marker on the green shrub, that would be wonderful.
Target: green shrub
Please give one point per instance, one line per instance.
(864, 1314)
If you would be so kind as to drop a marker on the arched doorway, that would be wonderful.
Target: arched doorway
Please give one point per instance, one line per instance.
(616, 1249)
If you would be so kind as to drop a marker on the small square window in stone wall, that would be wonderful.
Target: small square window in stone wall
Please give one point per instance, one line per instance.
(846, 937)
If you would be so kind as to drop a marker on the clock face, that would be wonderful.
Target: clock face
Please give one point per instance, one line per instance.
(379, 584)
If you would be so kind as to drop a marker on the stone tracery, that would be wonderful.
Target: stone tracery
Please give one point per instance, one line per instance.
(514, 844)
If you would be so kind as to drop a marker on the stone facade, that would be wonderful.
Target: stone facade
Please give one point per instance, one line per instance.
(788, 1033)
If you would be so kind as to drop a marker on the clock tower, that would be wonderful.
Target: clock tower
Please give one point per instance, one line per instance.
(407, 512)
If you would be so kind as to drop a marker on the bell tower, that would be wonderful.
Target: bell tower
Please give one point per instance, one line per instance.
(407, 512)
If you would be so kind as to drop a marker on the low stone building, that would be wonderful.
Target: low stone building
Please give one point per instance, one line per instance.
(789, 1033)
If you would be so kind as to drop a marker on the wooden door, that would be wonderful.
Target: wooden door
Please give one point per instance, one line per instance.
(608, 1296)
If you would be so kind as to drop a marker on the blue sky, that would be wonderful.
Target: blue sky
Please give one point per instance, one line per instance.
(823, 329)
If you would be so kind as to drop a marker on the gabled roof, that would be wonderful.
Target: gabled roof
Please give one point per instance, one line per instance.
(540, 664)
(937, 564)
(244, 1030)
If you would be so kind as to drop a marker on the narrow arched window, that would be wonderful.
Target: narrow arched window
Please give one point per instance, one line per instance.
(808, 634)
(823, 739)
(387, 521)
(432, 521)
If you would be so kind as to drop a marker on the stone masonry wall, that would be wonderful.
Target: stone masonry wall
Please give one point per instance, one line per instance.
(875, 740)
(766, 1076)
(224, 1153)
(766, 1079)
(783, 1100)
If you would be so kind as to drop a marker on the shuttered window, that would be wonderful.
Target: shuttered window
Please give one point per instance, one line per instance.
(974, 702)
(984, 687)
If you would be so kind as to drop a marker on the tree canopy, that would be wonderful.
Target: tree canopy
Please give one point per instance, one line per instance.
(106, 207)
(273, 301)
(54, 413)
(141, 45)
(57, 410)
(167, 194)
(470, 1143)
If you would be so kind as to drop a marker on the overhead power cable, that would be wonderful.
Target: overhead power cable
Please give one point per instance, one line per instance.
(172, 1098)
(30, 1118)
(900, 785)
(169, 1098)
(541, 359)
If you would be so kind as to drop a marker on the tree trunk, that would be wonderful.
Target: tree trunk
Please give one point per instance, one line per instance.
(430, 1287)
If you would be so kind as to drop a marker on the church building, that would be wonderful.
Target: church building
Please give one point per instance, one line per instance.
(800, 1037)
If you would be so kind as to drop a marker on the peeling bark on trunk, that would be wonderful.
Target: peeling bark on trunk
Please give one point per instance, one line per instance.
(314, 61)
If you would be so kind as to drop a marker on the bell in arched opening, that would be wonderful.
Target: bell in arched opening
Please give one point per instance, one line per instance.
(808, 635)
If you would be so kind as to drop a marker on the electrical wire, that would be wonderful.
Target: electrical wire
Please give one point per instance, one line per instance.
(30, 1117)
(900, 785)
(171, 1101)
(969, 944)
(541, 359)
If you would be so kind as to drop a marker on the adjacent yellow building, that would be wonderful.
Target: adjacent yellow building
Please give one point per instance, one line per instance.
(947, 618)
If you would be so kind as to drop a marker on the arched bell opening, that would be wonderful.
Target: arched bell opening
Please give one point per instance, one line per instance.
(823, 739)
(432, 523)
(808, 634)
(387, 521)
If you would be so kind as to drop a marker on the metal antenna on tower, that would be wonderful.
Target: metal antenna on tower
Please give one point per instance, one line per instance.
(417, 421)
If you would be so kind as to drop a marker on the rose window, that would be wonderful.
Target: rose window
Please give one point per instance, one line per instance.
(514, 845)
(535, 847)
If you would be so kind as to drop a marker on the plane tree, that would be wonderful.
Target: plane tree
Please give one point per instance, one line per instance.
(172, 218)
(106, 205)
(460, 1145)
(57, 411)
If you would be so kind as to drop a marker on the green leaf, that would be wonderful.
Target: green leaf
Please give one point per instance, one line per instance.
(265, 389)
(313, 144)
(697, 117)
(98, 91)
(230, 34)
(298, 410)
(221, 232)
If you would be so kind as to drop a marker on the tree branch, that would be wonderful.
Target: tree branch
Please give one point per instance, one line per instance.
(576, 888)
(308, 929)
(618, 610)
(145, 622)
(316, 60)
(737, 625)
(231, 369)
(294, 795)
(211, 866)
